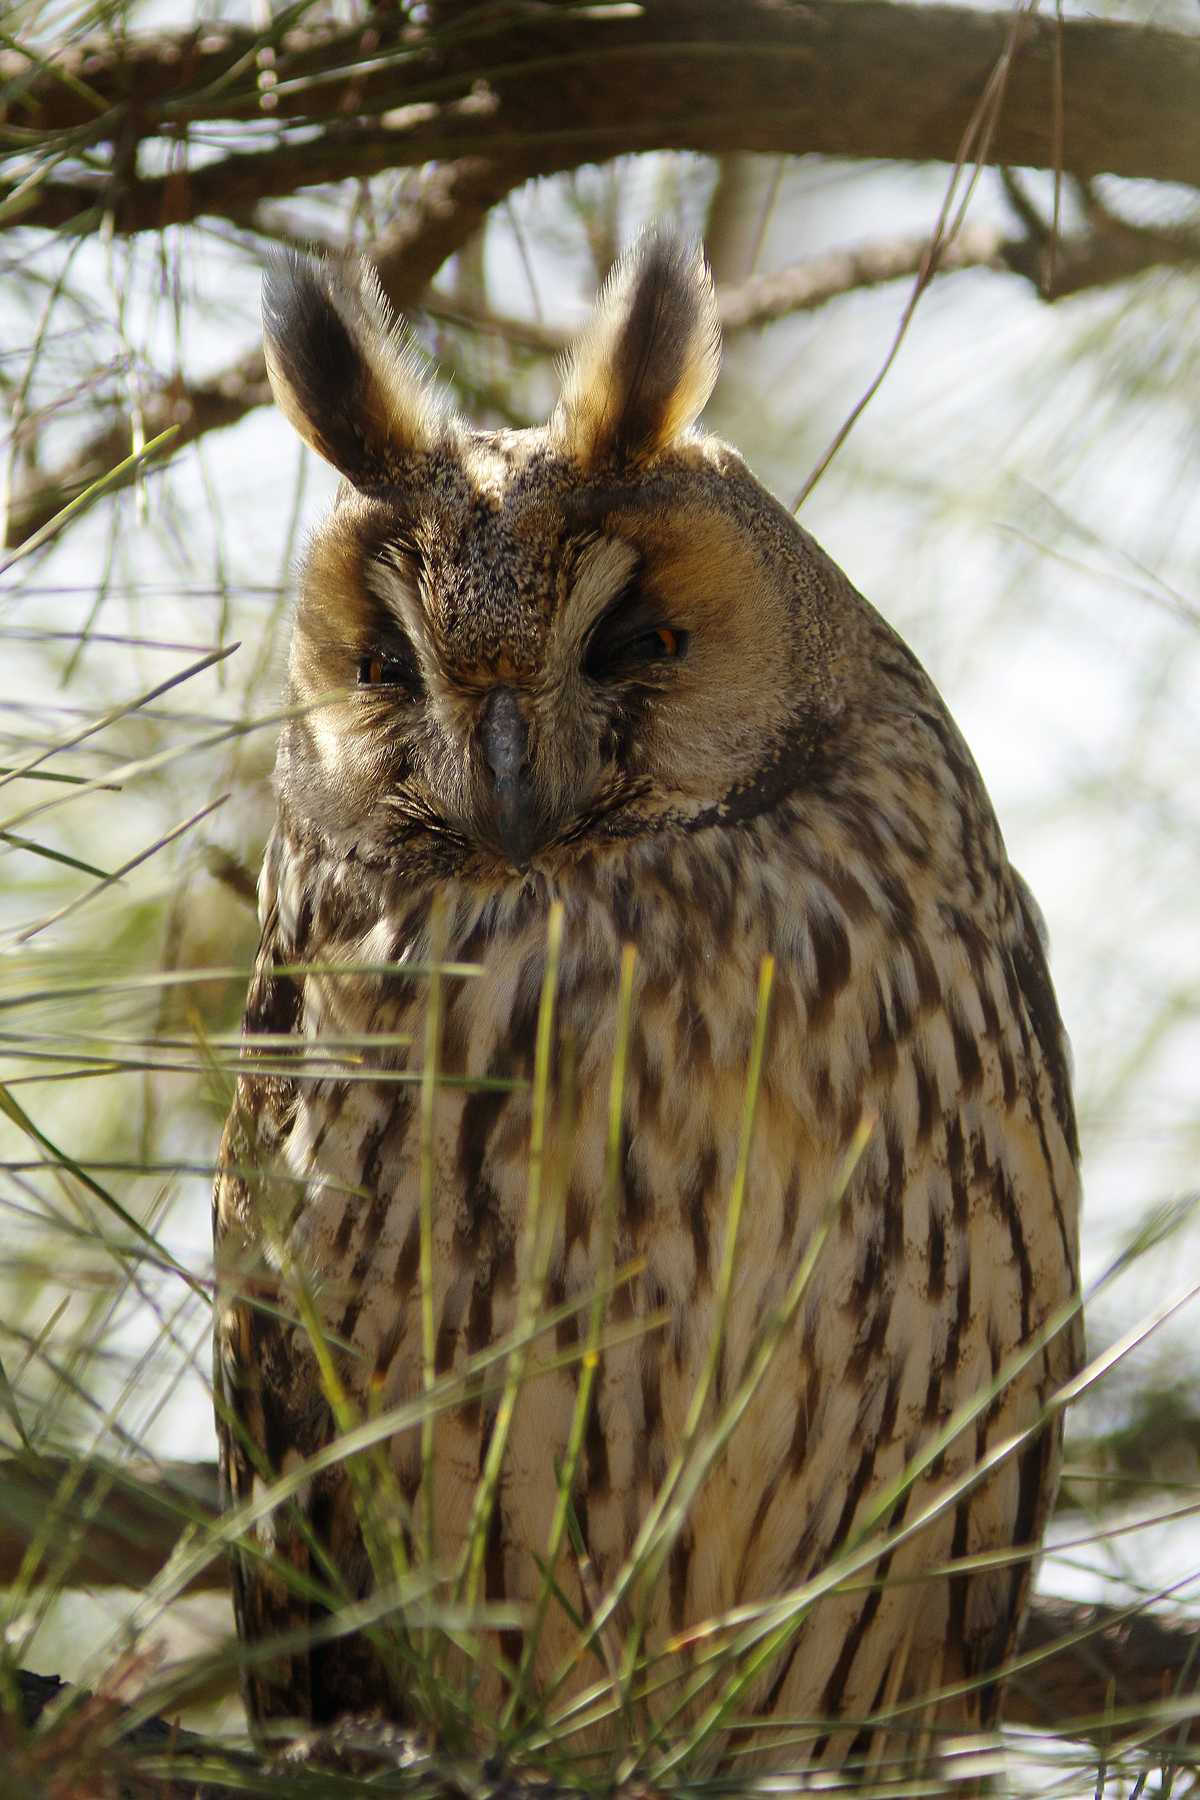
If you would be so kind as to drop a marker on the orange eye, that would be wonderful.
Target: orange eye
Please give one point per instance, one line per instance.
(618, 645)
(398, 669)
(659, 645)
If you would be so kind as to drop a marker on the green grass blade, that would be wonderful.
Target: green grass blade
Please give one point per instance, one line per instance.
(564, 1512)
(471, 1563)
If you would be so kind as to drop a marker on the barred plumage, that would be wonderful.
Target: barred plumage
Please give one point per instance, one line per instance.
(598, 664)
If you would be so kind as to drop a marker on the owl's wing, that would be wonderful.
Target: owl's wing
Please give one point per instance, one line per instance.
(260, 1393)
(272, 1410)
(995, 1602)
(1048, 1054)
(1037, 990)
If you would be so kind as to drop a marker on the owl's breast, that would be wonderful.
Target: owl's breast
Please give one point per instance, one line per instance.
(879, 1016)
(907, 1222)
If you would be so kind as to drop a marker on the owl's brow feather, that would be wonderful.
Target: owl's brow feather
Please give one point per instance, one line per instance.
(586, 509)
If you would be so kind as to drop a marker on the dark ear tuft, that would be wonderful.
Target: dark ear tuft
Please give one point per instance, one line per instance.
(644, 367)
(339, 371)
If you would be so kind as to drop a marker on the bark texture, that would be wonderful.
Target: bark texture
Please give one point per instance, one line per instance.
(567, 86)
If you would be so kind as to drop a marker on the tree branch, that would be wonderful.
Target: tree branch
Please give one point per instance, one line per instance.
(454, 200)
(1111, 252)
(128, 1519)
(450, 205)
(124, 1518)
(210, 406)
(569, 86)
(458, 198)
(91, 1748)
(1074, 1652)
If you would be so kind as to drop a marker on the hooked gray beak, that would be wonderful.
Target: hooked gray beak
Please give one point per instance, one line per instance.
(505, 742)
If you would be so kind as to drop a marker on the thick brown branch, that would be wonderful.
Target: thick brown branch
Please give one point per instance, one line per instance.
(128, 1522)
(556, 90)
(1079, 1650)
(120, 1522)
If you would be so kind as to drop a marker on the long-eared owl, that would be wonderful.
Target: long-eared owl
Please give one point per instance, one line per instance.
(593, 676)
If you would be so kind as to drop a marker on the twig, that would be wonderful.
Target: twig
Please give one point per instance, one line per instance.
(1112, 251)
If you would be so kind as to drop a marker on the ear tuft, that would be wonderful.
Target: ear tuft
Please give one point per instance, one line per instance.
(642, 370)
(339, 371)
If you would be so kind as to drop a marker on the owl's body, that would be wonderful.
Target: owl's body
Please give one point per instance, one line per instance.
(598, 664)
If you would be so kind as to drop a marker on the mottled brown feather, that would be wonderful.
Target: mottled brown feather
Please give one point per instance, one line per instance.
(788, 783)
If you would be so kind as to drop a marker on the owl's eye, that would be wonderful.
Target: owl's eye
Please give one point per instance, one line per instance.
(391, 668)
(655, 645)
(627, 640)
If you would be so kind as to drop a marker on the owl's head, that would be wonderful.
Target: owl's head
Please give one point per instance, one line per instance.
(516, 648)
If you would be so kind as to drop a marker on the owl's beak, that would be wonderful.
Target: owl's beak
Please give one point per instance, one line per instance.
(505, 740)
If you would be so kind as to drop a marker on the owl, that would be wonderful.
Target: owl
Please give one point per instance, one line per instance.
(567, 707)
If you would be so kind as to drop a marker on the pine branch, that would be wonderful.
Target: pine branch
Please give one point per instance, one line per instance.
(1086, 1662)
(121, 1520)
(456, 203)
(128, 1519)
(550, 89)
(451, 205)
(1111, 252)
(209, 406)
